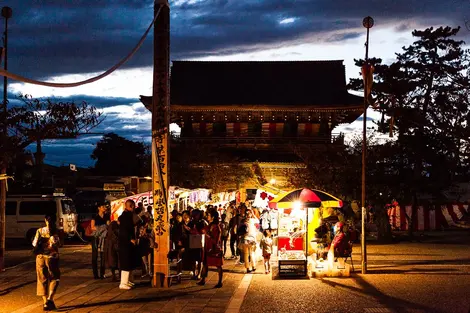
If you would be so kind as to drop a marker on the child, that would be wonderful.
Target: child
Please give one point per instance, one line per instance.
(266, 246)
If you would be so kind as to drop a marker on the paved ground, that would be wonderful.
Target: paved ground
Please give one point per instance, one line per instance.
(413, 284)
(427, 276)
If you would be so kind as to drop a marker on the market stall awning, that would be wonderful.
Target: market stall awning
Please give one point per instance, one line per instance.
(327, 200)
(307, 197)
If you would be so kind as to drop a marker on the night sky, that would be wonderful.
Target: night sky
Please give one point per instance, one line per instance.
(71, 40)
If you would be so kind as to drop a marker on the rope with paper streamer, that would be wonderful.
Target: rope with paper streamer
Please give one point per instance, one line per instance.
(90, 80)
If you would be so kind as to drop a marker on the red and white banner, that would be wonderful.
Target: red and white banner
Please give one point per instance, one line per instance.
(427, 218)
(453, 213)
(117, 206)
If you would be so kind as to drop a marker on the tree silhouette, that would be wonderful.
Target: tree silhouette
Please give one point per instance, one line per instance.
(118, 156)
(36, 120)
(426, 93)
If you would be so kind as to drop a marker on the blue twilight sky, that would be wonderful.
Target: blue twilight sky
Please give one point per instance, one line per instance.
(71, 40)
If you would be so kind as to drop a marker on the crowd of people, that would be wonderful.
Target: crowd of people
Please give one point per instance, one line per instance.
(123, 245)
(200, 239)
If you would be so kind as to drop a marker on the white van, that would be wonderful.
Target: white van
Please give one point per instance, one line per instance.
(25, 214)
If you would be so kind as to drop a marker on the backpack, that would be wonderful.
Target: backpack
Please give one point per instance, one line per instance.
(224, 228)
(88, 231)
(39, 248)
(242, 230)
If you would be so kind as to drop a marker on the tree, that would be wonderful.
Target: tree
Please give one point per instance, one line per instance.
(335, 170)
(118, 156)
(205, 167)
(34, 121)
(425, 92)
(37, 120)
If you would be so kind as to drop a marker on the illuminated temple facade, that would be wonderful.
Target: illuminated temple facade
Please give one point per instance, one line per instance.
(268, 112)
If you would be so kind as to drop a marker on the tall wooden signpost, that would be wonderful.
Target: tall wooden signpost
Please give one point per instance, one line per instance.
(160, 141)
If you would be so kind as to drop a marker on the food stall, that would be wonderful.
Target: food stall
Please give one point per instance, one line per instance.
(298, 213)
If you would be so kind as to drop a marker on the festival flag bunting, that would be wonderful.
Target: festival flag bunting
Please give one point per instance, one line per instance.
(368, 77)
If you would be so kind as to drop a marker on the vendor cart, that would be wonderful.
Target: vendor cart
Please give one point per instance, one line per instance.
(296, 210)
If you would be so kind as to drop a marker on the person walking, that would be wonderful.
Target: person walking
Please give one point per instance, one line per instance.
(213, 255)
(225, 233)
(46, 248)
(266, 245)
(99, 225)
(233, 225)
(127, 245)
(248, 233)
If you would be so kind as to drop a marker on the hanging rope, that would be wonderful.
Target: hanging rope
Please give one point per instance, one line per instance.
(5, 177)
(90, 80)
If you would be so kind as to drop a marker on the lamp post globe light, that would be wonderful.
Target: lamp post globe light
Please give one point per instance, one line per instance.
(368, 22)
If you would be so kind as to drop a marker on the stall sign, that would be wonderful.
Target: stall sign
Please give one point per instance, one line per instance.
(292, 268)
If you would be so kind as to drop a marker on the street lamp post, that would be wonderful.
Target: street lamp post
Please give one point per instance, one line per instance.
(6, 13)
(367, 22)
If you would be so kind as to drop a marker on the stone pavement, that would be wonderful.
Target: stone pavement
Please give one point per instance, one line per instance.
(418, 277)
(405, 277)
(105, 296)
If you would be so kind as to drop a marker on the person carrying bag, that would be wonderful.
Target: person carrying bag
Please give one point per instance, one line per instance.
(46, 248)
(213, 254)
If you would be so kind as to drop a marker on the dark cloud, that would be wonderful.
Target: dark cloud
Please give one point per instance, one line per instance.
(349, 129)
(361, 118)
(81, 36)
(52, 37)
(345, 36)
(97, 101)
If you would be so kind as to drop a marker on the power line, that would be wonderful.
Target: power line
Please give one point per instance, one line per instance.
(90, 80)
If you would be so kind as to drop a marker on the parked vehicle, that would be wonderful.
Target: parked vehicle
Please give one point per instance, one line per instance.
(25, 214)
(86, 203)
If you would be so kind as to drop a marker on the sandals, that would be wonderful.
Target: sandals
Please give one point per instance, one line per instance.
(201, 283)
(49, 306)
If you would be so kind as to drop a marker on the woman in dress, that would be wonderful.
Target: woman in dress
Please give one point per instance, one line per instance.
(213, 254)
(46, 248)
(127, 245)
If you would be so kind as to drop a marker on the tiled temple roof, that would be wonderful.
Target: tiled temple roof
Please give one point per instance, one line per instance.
(320, 84)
